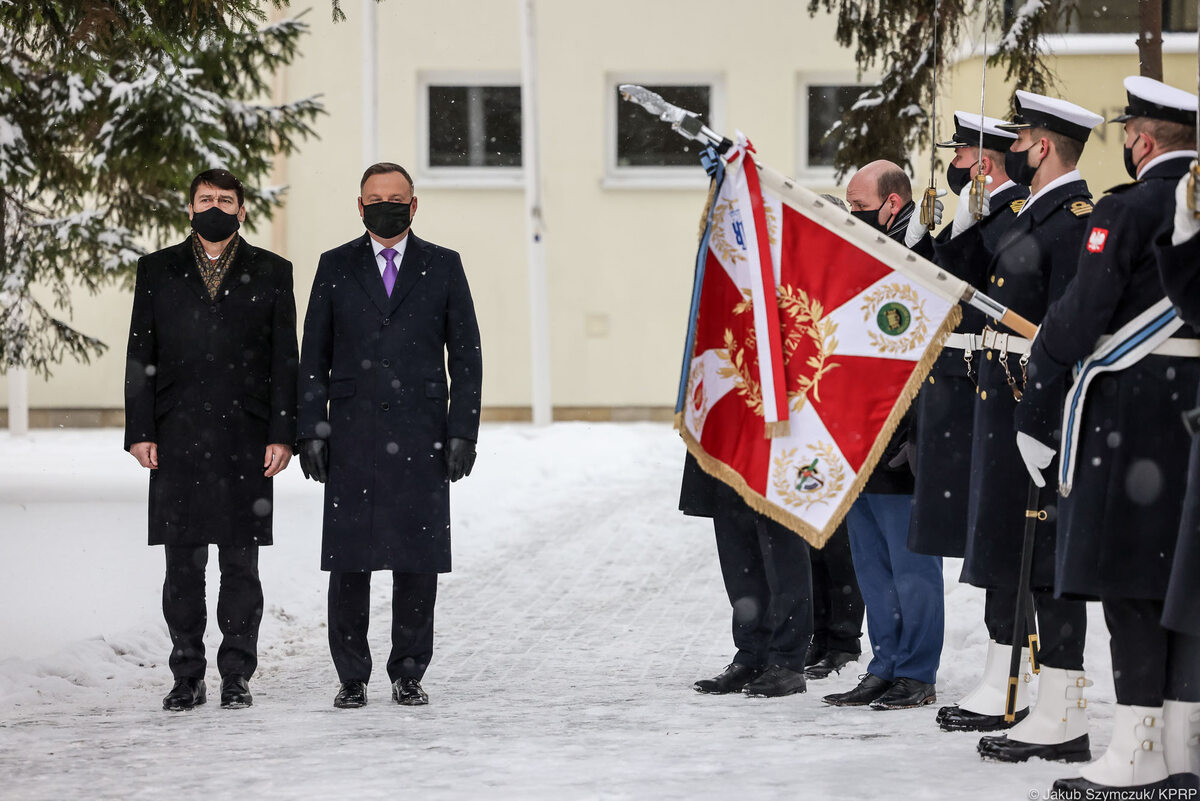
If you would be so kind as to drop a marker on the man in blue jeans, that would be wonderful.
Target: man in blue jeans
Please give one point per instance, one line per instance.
(902, 589)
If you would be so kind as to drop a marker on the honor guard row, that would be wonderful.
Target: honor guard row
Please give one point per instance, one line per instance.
(1094, 398)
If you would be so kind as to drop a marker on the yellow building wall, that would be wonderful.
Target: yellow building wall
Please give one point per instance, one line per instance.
(619, 257)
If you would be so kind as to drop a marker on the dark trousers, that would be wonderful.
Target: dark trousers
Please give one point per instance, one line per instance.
(1150, 663)
(837, 601)
(999, 606)
(1062, 628)
(239, 609)
(413, 597)
(769, 583)
(903, 590)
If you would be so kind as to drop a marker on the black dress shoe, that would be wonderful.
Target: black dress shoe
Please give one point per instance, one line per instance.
(408, 692)
(869, 688)
(955, 718)
(731, 680)
(814, 655)
(906, 693)
(831, 662)
(776, 681)
(186, 694)
(1002, 749)
(235, 692)
(1080, 787)
(351, 695)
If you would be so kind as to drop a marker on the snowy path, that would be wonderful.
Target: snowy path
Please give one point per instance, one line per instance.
(581, 609)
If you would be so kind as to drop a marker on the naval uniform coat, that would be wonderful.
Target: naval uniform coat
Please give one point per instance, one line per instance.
(946, 405)
(1179, 268)
(212, 382)
(1033, 263)
(1117, 529)
(373, 383)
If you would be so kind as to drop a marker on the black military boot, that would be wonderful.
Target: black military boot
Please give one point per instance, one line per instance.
(731, 680)
(186, 694)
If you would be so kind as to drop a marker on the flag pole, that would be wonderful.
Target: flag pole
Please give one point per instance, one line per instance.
(861, 235)
(539, 305)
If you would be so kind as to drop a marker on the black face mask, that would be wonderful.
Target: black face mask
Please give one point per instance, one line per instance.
(214, 225)
(1016, 164)
(386, 219)
(1130, 167)
(957, 178)
(871, 218)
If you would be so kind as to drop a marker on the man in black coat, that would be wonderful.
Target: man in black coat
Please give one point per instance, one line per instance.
(946, 407)
(389, 315)
(210, 399)
(1126, 478)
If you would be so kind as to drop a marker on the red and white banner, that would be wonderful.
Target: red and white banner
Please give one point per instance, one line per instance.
(791, 401)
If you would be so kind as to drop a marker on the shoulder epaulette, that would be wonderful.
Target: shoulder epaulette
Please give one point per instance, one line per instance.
(1017, 205)
(1081, 208)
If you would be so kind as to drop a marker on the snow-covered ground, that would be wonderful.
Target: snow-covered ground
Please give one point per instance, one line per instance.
(581, 609)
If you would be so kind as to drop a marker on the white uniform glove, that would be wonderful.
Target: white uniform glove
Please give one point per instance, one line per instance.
(1186, 224)
(963, 218)
(1036, 455)
(915, 230)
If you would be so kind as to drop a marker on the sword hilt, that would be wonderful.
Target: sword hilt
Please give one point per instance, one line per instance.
(928, 207)
(978, 187)
(1193, 194)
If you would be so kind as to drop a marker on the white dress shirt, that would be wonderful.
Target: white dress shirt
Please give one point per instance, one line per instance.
(381, 261)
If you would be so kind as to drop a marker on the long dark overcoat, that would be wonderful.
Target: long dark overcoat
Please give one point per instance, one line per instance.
(946, 405)
(1179, 267)
(1033, 263)
(1117, 528)
(373, 382)
(212, 382)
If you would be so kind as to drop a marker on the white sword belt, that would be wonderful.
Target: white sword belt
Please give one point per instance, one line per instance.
(998, 340)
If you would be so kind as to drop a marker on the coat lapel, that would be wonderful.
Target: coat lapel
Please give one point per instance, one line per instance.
(366, 271)
(184, 264)
(239, 272)
(412, 268)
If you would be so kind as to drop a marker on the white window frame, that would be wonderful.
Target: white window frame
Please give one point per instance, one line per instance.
(818, 175)
(617, 177)
(461, 177)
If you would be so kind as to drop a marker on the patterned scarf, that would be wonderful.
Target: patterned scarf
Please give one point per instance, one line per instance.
(213, 272)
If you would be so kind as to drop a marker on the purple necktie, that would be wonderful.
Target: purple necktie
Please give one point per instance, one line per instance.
(389, 272)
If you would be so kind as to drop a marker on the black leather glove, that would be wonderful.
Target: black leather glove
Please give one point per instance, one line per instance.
(460, 457)
(314, 459)
(907, 454)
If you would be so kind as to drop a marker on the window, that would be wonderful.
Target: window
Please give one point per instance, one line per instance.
(822, 101)
(1121, 16)
(471, 129)
(643, 150)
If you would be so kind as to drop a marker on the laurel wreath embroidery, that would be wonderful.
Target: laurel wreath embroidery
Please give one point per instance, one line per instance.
(916, 305)
(727, 250)
(803, 318)
(834, 477)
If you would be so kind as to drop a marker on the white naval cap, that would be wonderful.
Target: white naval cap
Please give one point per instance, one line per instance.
(1053, 114)
(1156, 100)
(966, 133)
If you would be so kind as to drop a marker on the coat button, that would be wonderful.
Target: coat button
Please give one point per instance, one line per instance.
(384, 363)
(212, 309)
(208, 357)
(385, 406)
(207, 406)
(387, 320)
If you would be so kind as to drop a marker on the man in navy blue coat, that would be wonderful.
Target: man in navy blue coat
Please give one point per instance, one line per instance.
(1125, 480)
(390, 319)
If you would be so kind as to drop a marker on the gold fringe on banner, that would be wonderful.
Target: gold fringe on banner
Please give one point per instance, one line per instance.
(780, 428)
(812, 535)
